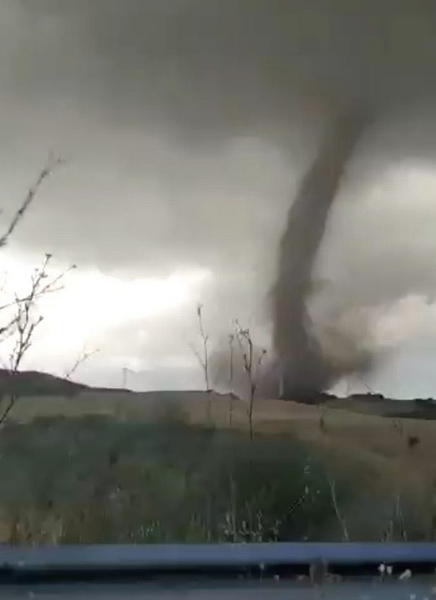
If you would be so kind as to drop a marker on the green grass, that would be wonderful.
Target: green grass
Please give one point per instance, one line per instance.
(98, 479)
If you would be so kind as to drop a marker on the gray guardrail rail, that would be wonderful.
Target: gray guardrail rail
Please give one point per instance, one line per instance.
(212, 556)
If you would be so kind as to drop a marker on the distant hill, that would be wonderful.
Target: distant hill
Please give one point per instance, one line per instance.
(377, 404)
(35, 383)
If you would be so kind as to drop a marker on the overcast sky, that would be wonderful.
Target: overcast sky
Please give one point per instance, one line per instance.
(186, 126)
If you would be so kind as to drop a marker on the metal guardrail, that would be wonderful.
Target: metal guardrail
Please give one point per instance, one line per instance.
(214, 556)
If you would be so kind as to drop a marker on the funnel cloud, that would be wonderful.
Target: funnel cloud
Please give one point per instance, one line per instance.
(304, 368)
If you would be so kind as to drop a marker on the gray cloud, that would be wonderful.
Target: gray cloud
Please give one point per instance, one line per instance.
(188, 125)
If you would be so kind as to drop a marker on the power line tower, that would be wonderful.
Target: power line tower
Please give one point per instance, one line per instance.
(125, 372)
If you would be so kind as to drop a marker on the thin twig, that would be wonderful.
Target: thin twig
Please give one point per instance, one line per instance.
(251, 368)
(12, 400)
(203, 358)
(29, 198)
(231, 350)
(339, 516)
(83, 357)
(400, 517)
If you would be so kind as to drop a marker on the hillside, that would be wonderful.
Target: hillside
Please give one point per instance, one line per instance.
(376, 404)
(35, 383)
(373, 404)
(383, 462)
(39, 384)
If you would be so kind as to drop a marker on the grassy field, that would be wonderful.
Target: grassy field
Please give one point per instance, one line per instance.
(151, 467)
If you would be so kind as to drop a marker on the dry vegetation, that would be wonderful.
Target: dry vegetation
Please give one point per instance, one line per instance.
(114, 467)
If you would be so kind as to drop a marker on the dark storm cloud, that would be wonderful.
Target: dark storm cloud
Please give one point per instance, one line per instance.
(147, 98)
(188, 125)
(205, 60)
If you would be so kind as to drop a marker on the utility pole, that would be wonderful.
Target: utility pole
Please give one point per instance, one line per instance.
(125, 372)
(281, 384)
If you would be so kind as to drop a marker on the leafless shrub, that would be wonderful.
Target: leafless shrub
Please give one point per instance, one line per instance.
(19, 314)
(21, 321)
(223, 359)
(203, 358)
(231, 365)
(251, 367)
(339, 516)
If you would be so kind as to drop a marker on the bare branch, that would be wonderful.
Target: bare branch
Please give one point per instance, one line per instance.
(11, 403)
(251, 367)
(231, 360)
(22, 324)
(55, 285)
(340, 518)
(197, 355)
(400, 517)
(30, 196)
(203, 358)
(83, 357)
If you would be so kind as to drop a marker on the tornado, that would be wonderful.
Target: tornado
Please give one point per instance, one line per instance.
(304, 368)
